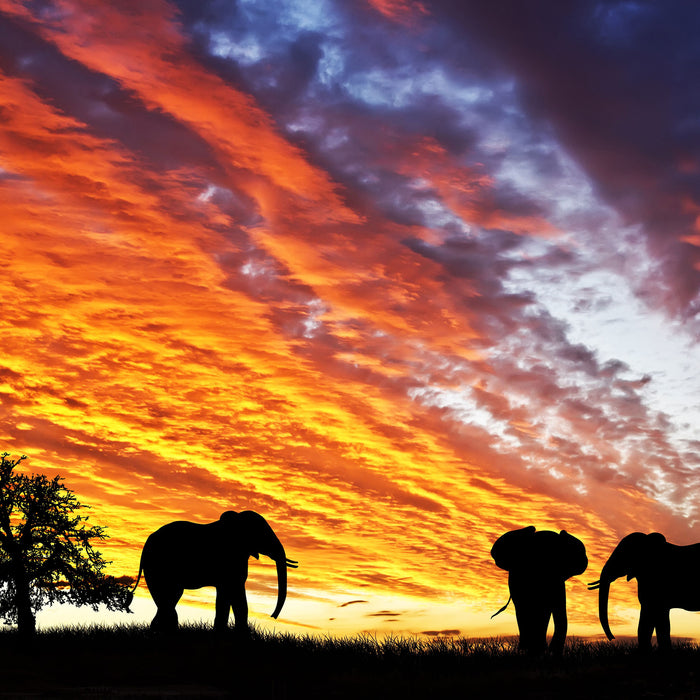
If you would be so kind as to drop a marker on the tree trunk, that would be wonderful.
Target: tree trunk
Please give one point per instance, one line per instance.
(26, 623)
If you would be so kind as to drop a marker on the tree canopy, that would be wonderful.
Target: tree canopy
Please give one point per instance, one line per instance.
(46, 549)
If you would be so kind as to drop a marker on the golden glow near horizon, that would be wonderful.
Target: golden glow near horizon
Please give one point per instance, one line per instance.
(197, 316)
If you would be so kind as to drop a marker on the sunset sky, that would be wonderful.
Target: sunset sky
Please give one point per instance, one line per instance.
(400, 276)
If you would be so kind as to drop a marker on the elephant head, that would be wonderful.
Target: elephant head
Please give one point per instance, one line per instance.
(634, 553)
(252, 531)
(543, 553)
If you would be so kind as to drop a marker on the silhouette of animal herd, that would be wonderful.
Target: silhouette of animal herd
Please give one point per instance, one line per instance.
(538, 564)
(184, 555)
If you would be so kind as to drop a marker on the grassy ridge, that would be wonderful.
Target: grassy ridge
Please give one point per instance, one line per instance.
(129, 661)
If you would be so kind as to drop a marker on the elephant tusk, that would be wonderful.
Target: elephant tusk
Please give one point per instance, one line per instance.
(292, 564)
(593, 585)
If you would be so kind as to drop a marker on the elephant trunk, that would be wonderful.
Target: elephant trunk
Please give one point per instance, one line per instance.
(281, 584)
(612, 570)
(603, 593)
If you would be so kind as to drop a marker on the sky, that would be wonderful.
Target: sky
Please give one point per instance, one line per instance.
(400, 276)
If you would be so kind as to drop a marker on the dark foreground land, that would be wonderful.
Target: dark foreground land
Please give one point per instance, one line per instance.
(131, 662)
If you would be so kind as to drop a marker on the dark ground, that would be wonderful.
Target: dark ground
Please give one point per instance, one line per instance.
(131, 662)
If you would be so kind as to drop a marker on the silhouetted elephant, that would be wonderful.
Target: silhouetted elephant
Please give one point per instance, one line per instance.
(668, 576)
(183, 555)
(538, 564)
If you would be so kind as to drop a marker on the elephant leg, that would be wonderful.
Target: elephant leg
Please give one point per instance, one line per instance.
(533, 620)
(645, 629)
(165, 599)
(561, 622)
(239, 603)
(223, 605)
(663, 630)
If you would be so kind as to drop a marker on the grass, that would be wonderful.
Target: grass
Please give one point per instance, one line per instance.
(131, 662)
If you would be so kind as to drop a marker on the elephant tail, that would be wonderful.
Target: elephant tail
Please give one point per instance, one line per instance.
(502, 609)
(130, 594)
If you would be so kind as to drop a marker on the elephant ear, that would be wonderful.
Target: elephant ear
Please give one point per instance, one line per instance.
(650, 547)
(571, 555)
(512, 549)
(236, 529)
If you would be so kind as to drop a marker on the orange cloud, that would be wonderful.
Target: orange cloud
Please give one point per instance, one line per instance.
(140, 46)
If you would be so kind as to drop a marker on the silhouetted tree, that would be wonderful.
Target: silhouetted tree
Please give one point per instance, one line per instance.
(46, 551)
